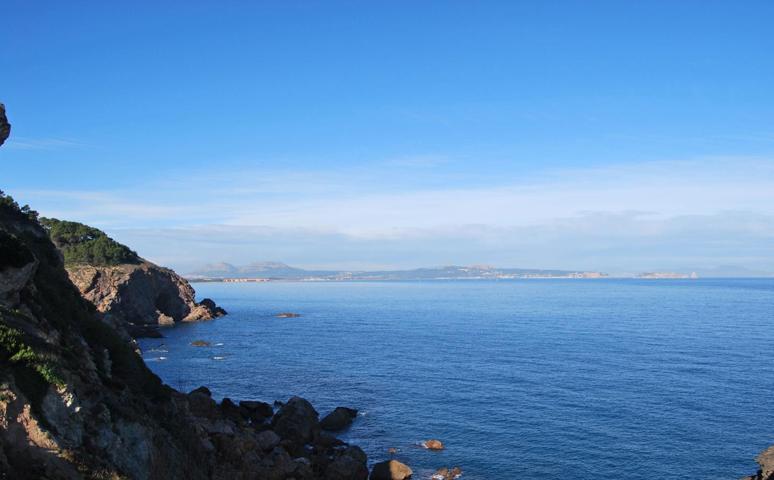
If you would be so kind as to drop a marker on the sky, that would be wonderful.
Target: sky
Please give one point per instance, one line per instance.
(589, 135)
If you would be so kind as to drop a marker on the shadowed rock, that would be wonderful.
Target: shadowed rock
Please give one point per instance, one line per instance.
(296, 422)
(5, 127)
(338, 419)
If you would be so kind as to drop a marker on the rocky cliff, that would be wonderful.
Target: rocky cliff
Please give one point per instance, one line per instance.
(76, 401)
(141, 294)
(123, 286)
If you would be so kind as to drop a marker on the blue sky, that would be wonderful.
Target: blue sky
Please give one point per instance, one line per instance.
(619, 136)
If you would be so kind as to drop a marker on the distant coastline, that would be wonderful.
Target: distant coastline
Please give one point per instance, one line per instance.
(278, 271)
(274, 271)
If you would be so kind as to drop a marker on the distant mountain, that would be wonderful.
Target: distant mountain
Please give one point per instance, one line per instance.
(221, 269)
(281, 271)
(270, 268)
(274, 270)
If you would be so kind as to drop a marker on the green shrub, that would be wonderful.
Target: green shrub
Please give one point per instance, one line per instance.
(15, 349)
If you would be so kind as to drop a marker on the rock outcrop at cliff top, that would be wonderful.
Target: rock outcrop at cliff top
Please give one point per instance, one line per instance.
(5, 127)
(77, 402)
(121, 284)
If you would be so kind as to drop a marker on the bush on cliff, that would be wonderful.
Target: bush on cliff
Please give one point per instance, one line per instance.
(82, 244)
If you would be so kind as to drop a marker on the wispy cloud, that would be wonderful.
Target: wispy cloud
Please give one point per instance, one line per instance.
(23, 143)
(707, 211)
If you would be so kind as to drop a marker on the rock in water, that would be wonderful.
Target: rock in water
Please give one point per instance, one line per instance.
(339, 419)
(447, 473)
(5, 127)
(288, 315)
(433, 444)
(390, 470)
(766, 462)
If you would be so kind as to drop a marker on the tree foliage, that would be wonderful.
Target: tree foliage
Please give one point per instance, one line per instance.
(81, 244)
(9, 206)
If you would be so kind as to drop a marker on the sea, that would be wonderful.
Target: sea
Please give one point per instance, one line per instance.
(520, 379)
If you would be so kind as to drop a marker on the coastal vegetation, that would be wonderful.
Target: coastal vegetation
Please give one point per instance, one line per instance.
(84, 245)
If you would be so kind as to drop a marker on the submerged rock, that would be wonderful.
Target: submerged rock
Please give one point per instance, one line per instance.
(200, 343)
(288, 315)
(390, 470)
(339, 419)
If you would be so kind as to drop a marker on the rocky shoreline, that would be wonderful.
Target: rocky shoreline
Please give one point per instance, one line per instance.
(77, 402)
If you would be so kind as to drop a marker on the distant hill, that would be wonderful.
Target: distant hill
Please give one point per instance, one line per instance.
(252, 270)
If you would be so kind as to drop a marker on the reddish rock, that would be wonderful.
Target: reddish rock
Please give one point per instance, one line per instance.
(390, 470)
(433, 444)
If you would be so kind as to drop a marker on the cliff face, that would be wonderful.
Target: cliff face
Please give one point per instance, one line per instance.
(141, 294)
(123, 286)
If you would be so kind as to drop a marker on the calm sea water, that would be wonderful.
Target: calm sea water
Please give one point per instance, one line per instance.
(538, 379)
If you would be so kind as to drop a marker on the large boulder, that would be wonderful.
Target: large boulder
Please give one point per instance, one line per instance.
(297, 422)
(257, 412)
(390, 470)
(339, 419)
(267, 440)
(349, 464)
